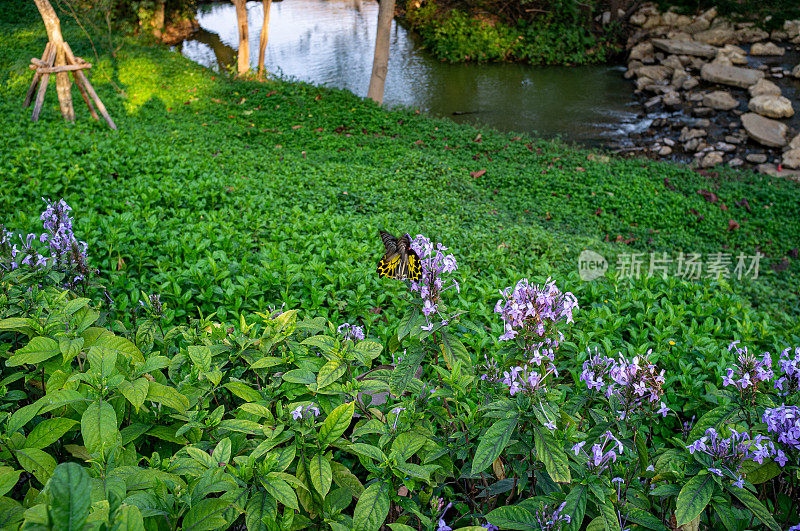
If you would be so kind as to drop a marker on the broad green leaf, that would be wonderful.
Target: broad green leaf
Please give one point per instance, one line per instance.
(644, 519)
(330, 372)
(243, 391)
(372, 507)
(99, 427)
(319, 471)
(168, 396)
(694, 497)
(121, 346)
(70, 497)
(265, 363)
(761, 473)
(404, 371)
(367, 450)
(39, 349)
(222, 452)
(326, 344)
(8, 478)
(60, 398)
(15, 323)
(200, 356)
(242, 426)
(336, 423)
(549, 452)
(344, 478)
(714, 418)
(756, 507)
(402, 527)
(281, 491)
(365, 351)
(609, 515)
(259, 510)
(21, 417)
(48, 431)
(414, 471)
(70, 348)
(207, 515)
(128, 518)
(37, 462)
(576, 506)
(492, 443)
(11, 513)
(513, 517)
(407, 444)
(102, 361)
(454, 350)
(135, 392)
(300, 376)
(74, 305)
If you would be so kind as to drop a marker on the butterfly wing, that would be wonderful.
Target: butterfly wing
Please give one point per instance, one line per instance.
(400, 261)
(389, 242)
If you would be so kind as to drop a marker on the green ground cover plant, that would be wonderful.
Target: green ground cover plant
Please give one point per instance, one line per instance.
(202, 378)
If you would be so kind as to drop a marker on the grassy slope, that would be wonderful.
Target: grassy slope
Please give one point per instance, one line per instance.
(228, 196)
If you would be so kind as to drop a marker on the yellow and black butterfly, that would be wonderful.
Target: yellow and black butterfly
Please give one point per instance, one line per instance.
(400, 261)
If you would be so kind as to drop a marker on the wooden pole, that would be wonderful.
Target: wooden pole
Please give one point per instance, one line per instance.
(53, 27)
(37, 107)
(262, 43)
(89, 89)
(380, 62)
(36, 78)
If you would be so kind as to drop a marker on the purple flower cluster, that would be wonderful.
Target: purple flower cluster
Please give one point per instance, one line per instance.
(600, 458)
(728, 453)
(301, 412)
(351, 332)
(749, 371)
(23, 254)
(636, 383)
(529, 378)
(435, 265)
(789, 382)
(784, 422)
(551, 520)
(534, 312)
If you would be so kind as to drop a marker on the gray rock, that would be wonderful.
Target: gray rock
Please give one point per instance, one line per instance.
(679, 77)
(764, 87)
(641, 50)
(735, 162)
(791, 158)
(795, 143)
(664, 151)
(690, 83)
(638, 19)
(734, 54)
(672, 62)
(792, 28)
(764, 130)
(679, 47)
(771, 106)
(655, 72)
(796, 71)
(652, 102)
(716, 35)
(756, 158)
(668, 141)
(722, 146)
(733, 139)
(689, 134)
(730, 75)
(672, 99)
(766, 48)
(720, 100)
(702, 111)
(692, 144)
(750, 34)
(695, 97)
(711, 159)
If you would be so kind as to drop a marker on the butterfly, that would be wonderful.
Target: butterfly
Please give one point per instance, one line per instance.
(400, 261)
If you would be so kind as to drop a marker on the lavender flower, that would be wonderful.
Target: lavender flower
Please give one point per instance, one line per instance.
(636, 383)
(435, 265)
(551, 520)
(351, 332)
(534, 313)
(726, 454)
(529, 378)
(784, 422)
(749, 371)
(789, 382)
(301, 412)
(600, 458)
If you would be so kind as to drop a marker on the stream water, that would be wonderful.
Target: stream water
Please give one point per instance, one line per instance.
(331, 42)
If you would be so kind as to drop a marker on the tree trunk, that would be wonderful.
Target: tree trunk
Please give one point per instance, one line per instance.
(244, 40)
(158, 19)
(380, 63)
(53, 27)
(262, 44)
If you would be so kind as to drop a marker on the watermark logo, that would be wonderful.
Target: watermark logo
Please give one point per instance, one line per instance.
(591, 265)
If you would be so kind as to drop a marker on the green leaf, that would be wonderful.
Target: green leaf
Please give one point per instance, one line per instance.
(549, 452)
(15, 323)
(264, 363)
(99, 427)
(222, 452)
(8, 478)
(70, 497)
(407, 323)
(320, 473)
(259, 511)
(713, 418)
(37, 462)
(366, 351)
(346, 479)
(372, 507)
(281, 491)
(135, 392)
(693, 498)
(407, 444)
(414, 471)
(454, 350)
(326, 344)
(243, 391)
(128, 518)
(492, 443)
(39, 349)
(120, 346)
(367, 450)
(242, 426)
(330, 372)
(576, 506)
(404, 371)
(513, 517)
(207, 515)
(168, 396)
(200, 356)
(609, 515)
(60, 398)
(644, 519)
(70, 347)
(762, 473)
(300, 376)
(756, 507)
(21, 417)
(102, 361)
(48, 431)
(337, 422)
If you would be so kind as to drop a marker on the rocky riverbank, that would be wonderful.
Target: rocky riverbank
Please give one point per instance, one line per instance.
(718, 92)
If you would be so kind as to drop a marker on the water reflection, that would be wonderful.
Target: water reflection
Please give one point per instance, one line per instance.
(331, 42)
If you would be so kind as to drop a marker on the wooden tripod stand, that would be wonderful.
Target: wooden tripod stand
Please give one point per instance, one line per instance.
(58, 59)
